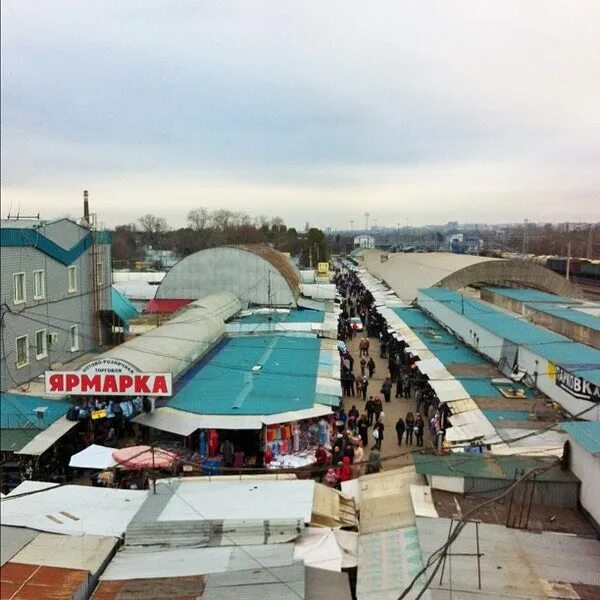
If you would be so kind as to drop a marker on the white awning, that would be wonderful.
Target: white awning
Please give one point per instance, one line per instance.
(449, 390)
(433, 367)
(47, 438)
(318, 410)
(93, 457)
(185, 423)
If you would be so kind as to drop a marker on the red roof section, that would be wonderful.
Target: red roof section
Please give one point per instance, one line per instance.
(32, 582)
(160, 588)
(165, 305)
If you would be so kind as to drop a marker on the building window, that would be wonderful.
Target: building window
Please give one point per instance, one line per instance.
(41, 344)
(74, 338)
(39, 285)
(19, 288)
(99, 273)
(22, 351)
(72, 279)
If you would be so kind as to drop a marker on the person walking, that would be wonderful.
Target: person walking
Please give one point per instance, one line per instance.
(370, 406)
(374, 462)
(363, 365)
(363, 430)
(364, 386)
(419, 428)
(378, 433)
(407, 386)
(351, 382)
(410, 428)
(359, 457)
(399, 387)
(400, 429)
(377, 408)
(371, 366)
(386, 389)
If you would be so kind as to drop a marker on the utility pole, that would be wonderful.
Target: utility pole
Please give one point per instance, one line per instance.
(525, 232)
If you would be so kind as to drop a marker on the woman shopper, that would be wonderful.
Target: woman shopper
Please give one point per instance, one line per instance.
(410, 425)
(419, 428)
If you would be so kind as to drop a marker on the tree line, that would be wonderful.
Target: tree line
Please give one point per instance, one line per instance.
(210, 228)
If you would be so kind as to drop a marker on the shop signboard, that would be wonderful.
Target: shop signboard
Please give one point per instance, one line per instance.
(108, 377)
(577, 386)
(323, 269)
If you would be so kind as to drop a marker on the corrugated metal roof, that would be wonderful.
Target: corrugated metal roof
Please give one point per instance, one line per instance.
(83, 552)
(253, 376)
(17, 411)
(164, 588)
(74, 510)
(13, 539)
(587, 434)
(532, 295)
(513, 562)
(45, 439)
(32, 582)
(326, 585)
(200, 499)
(186, 562)
(265, 584)
(487, 466)
(572, 356)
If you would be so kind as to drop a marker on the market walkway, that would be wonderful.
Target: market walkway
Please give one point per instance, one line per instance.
(392, 410)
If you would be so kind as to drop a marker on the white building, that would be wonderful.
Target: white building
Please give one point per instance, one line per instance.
(364, 241)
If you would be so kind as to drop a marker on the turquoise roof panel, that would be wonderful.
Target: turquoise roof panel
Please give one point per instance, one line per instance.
(585, 433)
(17, 411)
(257, 375)
(122, 306)
(576, 358)
(568, 313)
(506, 415)
(531, 295)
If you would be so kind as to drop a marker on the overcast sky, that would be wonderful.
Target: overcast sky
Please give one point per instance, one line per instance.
(418, 112)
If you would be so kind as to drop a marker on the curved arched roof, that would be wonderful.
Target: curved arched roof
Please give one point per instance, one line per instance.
(255, 273)
(406, 273)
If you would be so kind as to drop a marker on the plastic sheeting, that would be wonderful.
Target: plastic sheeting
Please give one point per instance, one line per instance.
(179, 343)
(93, 457)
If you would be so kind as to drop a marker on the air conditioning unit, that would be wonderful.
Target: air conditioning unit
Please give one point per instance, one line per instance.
(52, 338)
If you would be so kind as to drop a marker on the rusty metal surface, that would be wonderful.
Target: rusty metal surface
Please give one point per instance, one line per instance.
(167, 588)
(33, 582)
(278, 260)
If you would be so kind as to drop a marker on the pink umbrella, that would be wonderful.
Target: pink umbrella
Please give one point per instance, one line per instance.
(143, 457)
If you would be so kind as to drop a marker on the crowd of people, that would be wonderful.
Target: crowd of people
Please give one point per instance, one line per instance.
(363, 425)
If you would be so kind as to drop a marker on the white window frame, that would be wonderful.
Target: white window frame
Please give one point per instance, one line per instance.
(74, 336)
(99, 273)
(73, 288)
(24, 298)
(44, 353)
(42, 295)
(20, 365)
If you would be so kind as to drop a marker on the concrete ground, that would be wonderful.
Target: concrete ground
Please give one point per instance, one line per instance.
(393, 455)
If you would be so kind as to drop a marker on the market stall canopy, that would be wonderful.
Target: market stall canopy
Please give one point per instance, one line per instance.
(93, 457)
(144, 457)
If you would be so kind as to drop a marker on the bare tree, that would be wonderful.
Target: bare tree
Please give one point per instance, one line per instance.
(199, 218)
(153, 229)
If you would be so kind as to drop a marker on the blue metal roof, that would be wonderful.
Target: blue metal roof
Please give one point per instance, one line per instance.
(446, 347)
(585, 433)
(17, 411)
(578, 359)
(569, 313)
(256, 375)
(530, 295)
(122, 306)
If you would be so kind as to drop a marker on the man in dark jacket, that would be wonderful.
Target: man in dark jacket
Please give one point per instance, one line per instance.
(400, 429)
(386, 389)
(370, 406)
